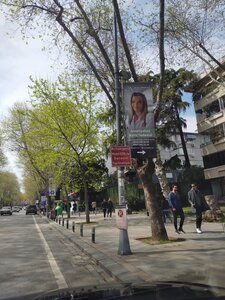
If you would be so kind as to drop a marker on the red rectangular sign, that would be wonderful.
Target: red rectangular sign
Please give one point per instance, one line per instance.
(121, 156)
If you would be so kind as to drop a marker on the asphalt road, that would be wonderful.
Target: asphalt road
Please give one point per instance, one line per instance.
(35, 260)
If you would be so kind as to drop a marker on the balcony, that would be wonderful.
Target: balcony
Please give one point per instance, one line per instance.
(205, 123)
(215, 172)
(214, 140)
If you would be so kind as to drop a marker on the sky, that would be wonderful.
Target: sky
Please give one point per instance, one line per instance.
(18, 61)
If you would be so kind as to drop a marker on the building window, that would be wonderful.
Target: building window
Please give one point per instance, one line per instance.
(214, 160)
(211, 109)
(216, 133)
(222, 102)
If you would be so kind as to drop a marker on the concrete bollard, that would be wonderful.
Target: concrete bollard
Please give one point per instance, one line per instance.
(73, 226)
(93, 235)
(67, 224)
(81, 230)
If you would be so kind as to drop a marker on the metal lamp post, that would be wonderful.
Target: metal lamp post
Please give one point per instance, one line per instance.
(124, 245)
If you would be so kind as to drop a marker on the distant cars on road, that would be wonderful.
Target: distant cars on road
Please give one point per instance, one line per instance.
(31, 209)
(15, 209)
(6, 210)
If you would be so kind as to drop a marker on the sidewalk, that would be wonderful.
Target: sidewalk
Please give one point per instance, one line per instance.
(200, 258)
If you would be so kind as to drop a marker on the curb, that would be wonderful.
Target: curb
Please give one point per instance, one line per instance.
(115, 266)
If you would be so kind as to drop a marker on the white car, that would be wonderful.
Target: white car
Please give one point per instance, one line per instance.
(6, 210)
(15, 209)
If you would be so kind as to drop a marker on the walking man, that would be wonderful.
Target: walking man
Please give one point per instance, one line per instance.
(177, 210)
(109, 208)
(104, 207)
(197, 201)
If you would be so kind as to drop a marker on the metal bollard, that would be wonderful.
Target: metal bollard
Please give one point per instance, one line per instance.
(93, 235)
(73, 226)
(81, 229)
(62, 221)
(59, 221)
(67, 224)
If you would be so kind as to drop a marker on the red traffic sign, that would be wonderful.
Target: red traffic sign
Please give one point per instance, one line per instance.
(121, 156)
(120, 213)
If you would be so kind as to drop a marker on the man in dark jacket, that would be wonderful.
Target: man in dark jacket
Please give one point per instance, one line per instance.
(110, 208)
(104, 207)
(197, 201)
(177, 210)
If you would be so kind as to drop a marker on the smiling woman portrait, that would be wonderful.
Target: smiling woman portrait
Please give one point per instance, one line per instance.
(139, 117)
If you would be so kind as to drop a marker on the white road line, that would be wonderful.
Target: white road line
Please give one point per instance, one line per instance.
(55, 269)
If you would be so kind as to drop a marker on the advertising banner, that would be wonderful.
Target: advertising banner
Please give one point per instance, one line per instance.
(139, 119)
(51, 188)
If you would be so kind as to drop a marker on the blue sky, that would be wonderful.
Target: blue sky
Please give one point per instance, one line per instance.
(189, 115)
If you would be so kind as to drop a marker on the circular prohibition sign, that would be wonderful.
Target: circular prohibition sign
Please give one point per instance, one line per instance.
(120, 213)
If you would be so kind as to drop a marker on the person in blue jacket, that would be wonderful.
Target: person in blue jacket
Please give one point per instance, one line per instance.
(176, 207)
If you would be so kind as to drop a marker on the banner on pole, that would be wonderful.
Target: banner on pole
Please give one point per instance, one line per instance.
(139, 119)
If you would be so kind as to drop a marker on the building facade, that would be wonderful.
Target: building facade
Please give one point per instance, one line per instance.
(209, 102)
(193, 144)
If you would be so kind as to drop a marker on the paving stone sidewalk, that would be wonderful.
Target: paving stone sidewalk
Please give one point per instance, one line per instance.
(200, 258)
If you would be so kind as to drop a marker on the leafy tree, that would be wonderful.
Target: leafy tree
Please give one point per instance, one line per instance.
(85, 29)
(16, 128)
(9, 189)
(67, 140)
(193, 26)
(3, 158)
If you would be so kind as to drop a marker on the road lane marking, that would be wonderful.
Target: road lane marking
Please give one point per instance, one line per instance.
(60, 280)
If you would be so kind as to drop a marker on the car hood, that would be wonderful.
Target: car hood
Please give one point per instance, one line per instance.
(169, 290)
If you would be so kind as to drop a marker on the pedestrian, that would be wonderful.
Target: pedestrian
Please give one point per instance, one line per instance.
(74, 207)
(110, 208)
(166, 211)
(93, 207)
(59, 209)
(104, 207)
(197, 201)
(177, 210)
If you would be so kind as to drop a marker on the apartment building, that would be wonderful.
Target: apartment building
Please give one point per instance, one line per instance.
(193, 145)
(209, 101)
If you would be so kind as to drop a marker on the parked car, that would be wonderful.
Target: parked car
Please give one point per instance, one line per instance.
(31, 209)
(6, 210)
(15, 209)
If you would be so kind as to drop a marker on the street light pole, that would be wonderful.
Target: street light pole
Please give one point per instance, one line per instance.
(124, 245)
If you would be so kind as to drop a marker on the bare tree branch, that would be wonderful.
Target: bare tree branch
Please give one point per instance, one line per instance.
(124, 42)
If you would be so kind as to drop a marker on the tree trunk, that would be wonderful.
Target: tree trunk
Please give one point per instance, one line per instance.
(183, 143)
(87, 213)
(146, 171)
(153, 206)
(161, 174)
